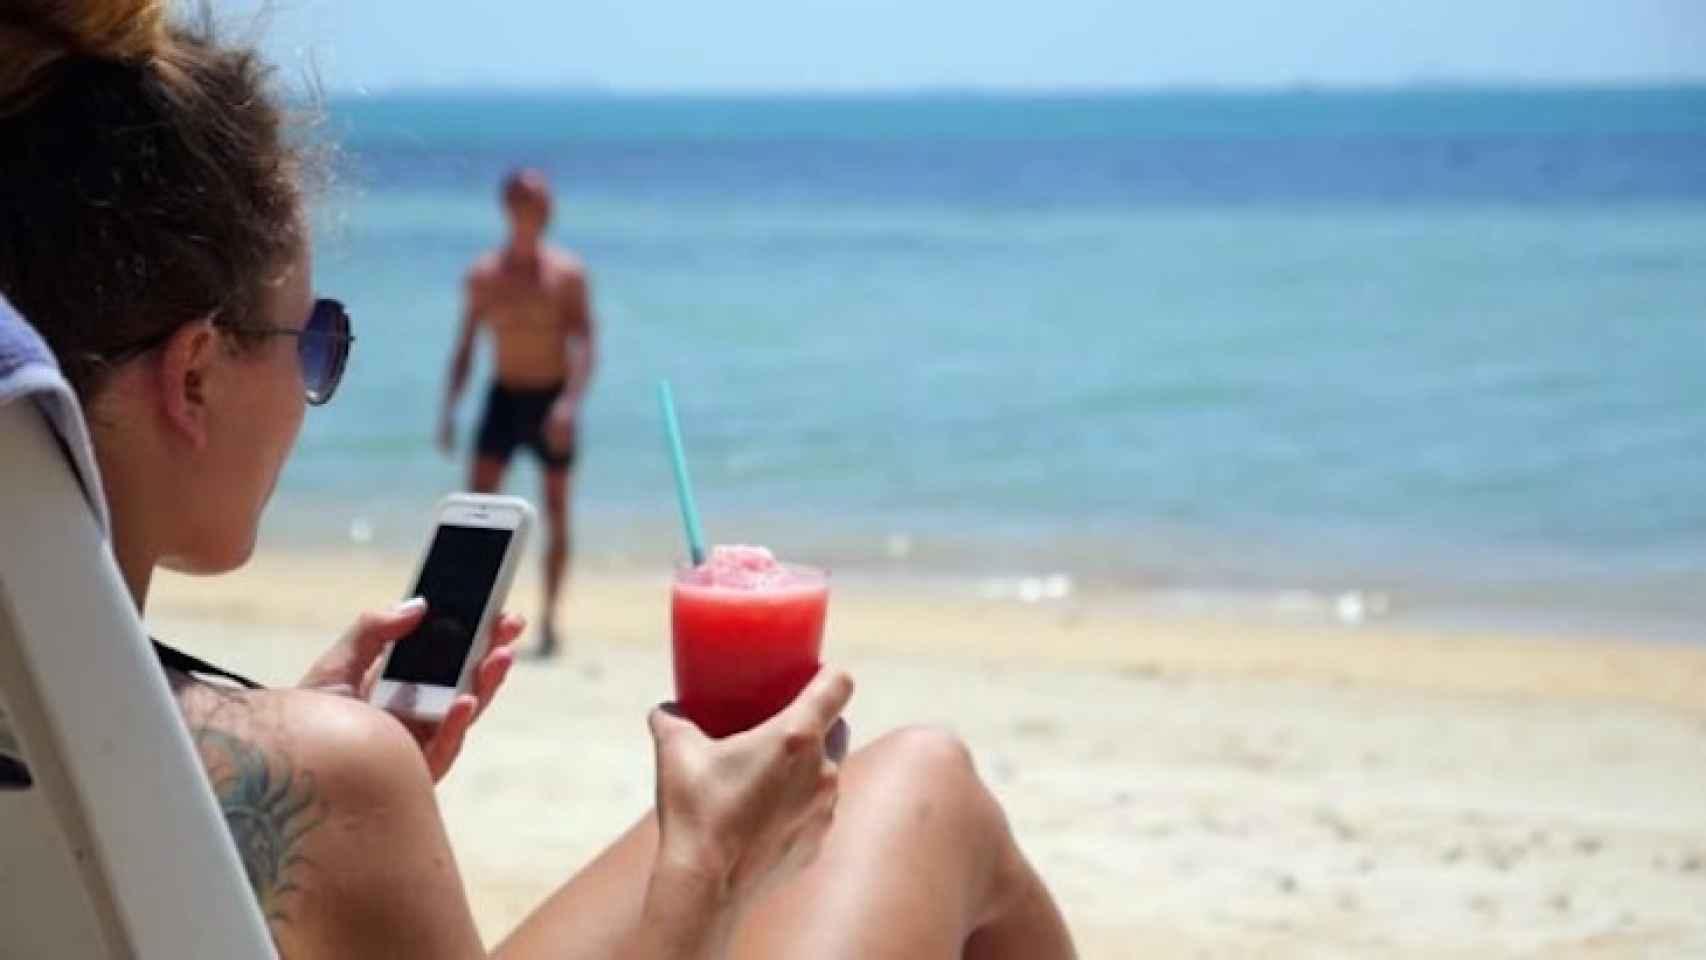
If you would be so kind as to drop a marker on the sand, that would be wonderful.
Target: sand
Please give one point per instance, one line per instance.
(1188, 787)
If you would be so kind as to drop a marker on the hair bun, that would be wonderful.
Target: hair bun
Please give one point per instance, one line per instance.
(36, 34)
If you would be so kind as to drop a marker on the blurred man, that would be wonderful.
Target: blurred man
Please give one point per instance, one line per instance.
(532, 298)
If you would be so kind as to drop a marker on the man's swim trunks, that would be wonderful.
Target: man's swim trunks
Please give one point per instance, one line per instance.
(516, 418)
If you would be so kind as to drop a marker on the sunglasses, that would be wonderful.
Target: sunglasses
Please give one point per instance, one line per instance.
(322, 348)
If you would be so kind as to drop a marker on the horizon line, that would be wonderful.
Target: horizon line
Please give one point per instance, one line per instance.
(999, 91)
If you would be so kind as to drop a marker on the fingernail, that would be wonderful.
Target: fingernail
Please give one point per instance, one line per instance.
(840, 736)
(411, 605)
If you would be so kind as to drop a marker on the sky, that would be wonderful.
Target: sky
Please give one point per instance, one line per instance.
(853, 45)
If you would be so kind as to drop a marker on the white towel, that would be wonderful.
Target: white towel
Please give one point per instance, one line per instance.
(28, 370)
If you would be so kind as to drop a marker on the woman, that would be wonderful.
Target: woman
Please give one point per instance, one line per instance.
(151, 227)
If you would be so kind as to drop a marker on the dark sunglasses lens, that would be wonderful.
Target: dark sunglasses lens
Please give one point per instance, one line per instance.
(322, 347)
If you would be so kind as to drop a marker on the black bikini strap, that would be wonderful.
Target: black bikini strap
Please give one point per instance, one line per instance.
(184, 663)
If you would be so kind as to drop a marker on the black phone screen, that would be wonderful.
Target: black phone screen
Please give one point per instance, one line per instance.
(456, 581)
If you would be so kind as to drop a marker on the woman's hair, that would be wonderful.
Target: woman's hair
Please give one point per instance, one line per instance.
(145, 178)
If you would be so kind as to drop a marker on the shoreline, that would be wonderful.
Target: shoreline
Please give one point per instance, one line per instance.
(945, 619)
(1173, 573)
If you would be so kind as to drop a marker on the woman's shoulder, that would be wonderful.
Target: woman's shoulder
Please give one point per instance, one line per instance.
(318, 734)
(285, 763)
(328, 800)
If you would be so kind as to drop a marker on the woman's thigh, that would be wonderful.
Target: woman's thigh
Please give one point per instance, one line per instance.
(902, 871)
(907, 869)
(588, 916)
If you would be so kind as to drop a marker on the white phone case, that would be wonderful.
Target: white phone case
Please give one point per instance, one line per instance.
(430, 702)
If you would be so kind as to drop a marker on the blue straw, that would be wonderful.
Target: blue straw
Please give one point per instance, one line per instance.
(683, 483)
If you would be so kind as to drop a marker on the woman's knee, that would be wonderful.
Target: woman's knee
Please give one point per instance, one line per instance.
(925, 748)
(933, 770)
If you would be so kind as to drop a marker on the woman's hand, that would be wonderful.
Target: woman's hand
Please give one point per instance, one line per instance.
(740, 815)
(351, 668)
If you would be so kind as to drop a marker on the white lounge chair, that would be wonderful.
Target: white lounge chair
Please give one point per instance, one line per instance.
(116, 847)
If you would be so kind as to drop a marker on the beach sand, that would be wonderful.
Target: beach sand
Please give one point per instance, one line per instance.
(1189, 788)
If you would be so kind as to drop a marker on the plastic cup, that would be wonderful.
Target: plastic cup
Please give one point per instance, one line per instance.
(743, 651)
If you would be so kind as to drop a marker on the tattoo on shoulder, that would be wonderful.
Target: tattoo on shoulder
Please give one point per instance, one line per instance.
(270, 808)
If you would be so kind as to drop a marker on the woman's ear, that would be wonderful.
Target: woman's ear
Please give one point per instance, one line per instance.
(186, 362)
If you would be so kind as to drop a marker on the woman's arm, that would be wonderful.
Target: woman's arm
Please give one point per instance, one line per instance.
(331, 806)
(734, 819)
(332, 810)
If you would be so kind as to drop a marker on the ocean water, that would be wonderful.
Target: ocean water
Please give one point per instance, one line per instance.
(1431, 353)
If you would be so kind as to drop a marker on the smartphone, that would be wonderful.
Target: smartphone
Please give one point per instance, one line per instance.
(477, 543)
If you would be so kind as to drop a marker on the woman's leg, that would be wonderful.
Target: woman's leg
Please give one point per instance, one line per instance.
(919, 864)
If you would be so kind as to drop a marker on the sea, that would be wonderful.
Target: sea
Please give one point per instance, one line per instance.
(1431, 355)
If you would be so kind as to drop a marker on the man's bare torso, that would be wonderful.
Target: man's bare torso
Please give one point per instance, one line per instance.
(535, 310)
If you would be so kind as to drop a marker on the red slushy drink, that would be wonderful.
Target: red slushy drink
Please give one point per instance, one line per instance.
(748, 632)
